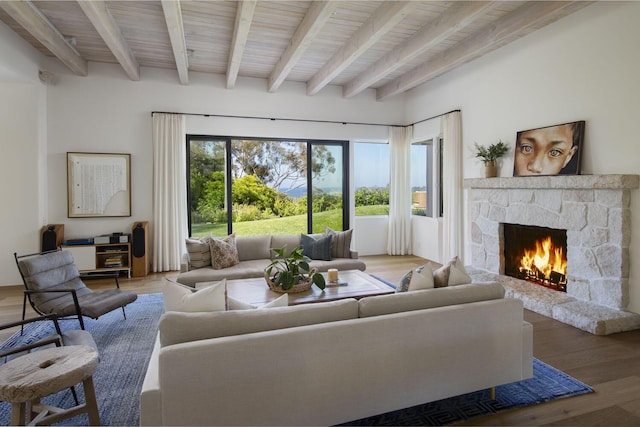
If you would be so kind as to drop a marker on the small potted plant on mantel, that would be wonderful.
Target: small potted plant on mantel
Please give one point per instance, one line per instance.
(291, 273)
(490, 155)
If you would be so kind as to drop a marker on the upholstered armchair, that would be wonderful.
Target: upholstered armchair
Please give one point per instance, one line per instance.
(53, 286)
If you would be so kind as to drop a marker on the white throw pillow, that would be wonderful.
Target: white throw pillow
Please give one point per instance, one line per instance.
(234, 304)
(178, 297)
(458, 275)
(422, 279)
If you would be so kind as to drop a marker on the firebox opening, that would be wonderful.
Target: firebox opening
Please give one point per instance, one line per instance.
(536, 254)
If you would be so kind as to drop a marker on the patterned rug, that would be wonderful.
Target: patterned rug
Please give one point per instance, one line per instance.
(547, 384)
(125, 347)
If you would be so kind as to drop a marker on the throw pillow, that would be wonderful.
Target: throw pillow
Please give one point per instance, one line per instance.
(224, 252)
(234, 304)
(319, 248)
(178, 297)
(199, 252)
(340, 242)
(422, 279)
(418, 278)
(451, 274)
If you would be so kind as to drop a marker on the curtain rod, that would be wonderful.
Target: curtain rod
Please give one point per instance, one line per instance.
(298, 120)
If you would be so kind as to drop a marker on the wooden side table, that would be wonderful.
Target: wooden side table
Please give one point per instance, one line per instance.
(27, 379)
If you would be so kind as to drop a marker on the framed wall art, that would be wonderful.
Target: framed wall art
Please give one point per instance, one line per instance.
(551, 150)
(98, 185)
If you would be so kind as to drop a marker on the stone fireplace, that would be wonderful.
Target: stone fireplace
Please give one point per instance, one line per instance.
(595, 212)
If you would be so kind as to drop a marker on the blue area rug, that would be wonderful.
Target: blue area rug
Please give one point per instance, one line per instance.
(547, 384)
(125, 348)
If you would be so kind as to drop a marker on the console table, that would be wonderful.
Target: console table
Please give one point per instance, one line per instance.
(101, 258)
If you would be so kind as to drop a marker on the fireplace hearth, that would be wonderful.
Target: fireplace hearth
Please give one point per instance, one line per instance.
(593, 211)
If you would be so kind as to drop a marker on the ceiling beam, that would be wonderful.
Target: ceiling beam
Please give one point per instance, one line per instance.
(454, 19)
(99, 15)
(314, 20)
(385, 18)
(244, 16)
(514, 25)
(173, 17)
(34, 21)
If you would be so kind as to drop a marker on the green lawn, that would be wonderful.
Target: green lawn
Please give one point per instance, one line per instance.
(288, 225)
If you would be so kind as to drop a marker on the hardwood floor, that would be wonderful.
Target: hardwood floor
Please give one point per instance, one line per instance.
(609, 364)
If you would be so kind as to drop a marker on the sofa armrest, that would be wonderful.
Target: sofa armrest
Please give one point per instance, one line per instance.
(185, 265)
(353, 254)
(150, 395)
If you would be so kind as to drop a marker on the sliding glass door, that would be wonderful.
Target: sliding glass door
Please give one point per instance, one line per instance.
(254, 186)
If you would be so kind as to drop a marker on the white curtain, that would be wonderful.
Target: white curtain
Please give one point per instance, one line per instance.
(452, 185)
(169, 191)
(399, 231)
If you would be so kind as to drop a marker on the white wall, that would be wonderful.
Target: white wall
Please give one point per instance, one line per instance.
(23, 141)
(583, 67)
(105, 112)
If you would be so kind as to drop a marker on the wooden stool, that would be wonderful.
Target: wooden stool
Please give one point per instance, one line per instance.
(27, 379)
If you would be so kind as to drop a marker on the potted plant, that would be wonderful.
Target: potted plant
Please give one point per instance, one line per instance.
(489, 155)
(291, 272)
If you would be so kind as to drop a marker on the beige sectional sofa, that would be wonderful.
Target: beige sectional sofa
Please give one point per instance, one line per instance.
(334, 362)
(255, 254)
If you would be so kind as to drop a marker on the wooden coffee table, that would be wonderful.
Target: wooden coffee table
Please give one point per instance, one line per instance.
(256, 291)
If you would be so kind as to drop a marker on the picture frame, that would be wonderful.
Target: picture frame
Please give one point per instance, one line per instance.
(98, 185)
(550, 150)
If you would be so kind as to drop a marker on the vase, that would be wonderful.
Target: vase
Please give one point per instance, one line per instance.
(490, 169)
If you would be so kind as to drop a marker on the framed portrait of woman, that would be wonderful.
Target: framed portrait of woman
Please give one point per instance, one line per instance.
(551, 150)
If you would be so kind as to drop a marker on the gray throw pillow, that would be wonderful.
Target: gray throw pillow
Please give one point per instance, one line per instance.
(340, 242)
(319, 248)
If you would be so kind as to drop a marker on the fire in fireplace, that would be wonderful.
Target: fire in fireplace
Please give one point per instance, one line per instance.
(536, 254)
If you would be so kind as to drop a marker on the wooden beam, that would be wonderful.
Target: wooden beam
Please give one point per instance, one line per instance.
(515, 25)
(314, 20)
(385, 18)
(32, 20)
(99, 15)
(244, 16)
(457, 17)
(173, 16)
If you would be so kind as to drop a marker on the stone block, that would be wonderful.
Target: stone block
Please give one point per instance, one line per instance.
(584, 196)
(608, 293)
(609, 259)
(581, 263)
(520, 196)
(573, 216)
(592, 237)
(476, 233)
(499, 197)
(579, 288)
(610, 197)
(620, 226)
(550, 200)
(597, 215)
(497, 213)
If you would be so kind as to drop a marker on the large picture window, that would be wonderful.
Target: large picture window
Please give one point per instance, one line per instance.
(371, 178)
(426, 173)
(256, 186)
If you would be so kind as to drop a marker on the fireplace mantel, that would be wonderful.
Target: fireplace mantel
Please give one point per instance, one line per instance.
(563, 182)
(595, 212)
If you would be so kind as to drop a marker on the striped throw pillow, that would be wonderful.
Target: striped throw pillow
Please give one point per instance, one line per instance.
(340, 242)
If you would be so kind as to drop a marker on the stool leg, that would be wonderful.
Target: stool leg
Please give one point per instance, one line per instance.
(90, 401)
(18, 411)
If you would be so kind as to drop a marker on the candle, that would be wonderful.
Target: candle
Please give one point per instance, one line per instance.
(332, 274)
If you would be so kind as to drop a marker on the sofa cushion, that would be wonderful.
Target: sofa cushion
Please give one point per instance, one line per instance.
(176, 327)
(178, 297)
(235, 304)
(451, 274)
(340, 264)
(243, 270)
(340, 242)
(289, 241)
(253, 247)
(429, 298)
(224, 252)
(316, 248)
(199, 252)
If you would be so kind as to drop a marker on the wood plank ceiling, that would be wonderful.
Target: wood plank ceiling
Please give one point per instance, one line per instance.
(390, 46)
